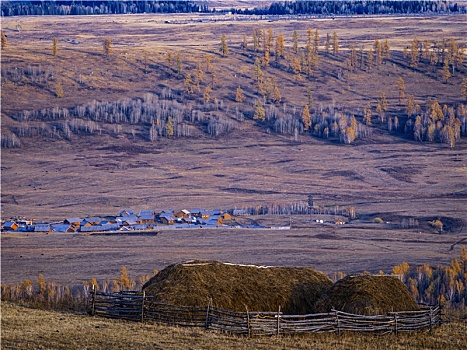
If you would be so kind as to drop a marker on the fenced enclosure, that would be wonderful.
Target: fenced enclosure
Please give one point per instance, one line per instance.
(136, 307)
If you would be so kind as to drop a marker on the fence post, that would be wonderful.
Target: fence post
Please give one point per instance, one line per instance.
(142, 306)
(431, 319)
(93, 300)
(337, 322)
(395, 323)
(248, 322)
(206, 326)
(278, 320)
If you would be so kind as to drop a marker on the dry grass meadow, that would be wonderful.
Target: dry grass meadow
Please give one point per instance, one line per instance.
(386, 175)
(38, 329)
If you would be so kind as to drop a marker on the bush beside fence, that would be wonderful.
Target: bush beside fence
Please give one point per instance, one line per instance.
(142, 308)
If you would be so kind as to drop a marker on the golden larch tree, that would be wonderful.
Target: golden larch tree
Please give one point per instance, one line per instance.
(335, 44)
(107, 46)
(169, 127)
(54, 46)
(224, 48)
(306, 118)
(4, 40)
(295, 41)
(280, 46)
(239, 96)
(207, 94)
(260, 113)
(401, 88)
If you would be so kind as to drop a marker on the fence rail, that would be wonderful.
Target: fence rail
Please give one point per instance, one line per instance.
(142, 308)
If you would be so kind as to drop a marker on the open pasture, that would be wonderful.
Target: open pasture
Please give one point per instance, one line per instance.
(385, 175)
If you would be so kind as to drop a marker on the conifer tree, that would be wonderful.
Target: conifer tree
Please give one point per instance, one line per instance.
(269, 40)
(259, 114)
(370, 58)
(316, 41)
(179, 64)
(386, 50)
(266, 59)
(464, 88)
(124, 280)
(446, 72)
(224, 48)
(4, 40)
(280, 46)
(207, 94)
(107, 44)
(255, 40)
(59, 92)
(239, 96)
(410, 105)
(257, 70)
(309, 97)
(169, 127)
(335, 44)
(54, 47)
(327, 43)
(306, 118)
(367, 114)
(276, 96)
(188, 84)
(401, 88)
(207, 60)
(244, 43)
(295, 41)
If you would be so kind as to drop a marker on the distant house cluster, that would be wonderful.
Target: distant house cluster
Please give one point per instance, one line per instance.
(127, 220)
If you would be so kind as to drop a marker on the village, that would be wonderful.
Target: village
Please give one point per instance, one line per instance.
(127, 220)
(167, 219)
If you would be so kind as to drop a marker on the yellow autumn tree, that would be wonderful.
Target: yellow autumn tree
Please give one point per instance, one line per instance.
(123, 279)
(239, 96)
(54, 46)
(306, 118)
(224, 48)
(260, 113)
(107, 46)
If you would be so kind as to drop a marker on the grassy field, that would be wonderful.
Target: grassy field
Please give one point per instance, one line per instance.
(35, 329)
(386, 175)
(71, 259)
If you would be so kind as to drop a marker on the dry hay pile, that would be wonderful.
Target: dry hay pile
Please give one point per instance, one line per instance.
(368, 295)
(238, 287)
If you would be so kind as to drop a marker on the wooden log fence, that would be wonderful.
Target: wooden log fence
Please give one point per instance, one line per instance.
(142, 308)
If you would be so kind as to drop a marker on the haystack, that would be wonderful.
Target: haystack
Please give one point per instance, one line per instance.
(238, 287)
(368, 295)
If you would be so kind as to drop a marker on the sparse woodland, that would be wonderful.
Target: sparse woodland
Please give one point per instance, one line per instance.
(195, 97)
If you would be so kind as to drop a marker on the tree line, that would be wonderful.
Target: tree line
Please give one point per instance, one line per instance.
(88, 7)
(356, 7)
(428, 284)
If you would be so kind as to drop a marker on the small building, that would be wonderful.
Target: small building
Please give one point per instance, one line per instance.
(10, 226)
(64, 228)
(76, 222)
(183, 214)
(240, 212)
(126, 212)
(91, 221)
(226, 217)
(146, 216)
(126, 220)
(167, 219)
(42, 228)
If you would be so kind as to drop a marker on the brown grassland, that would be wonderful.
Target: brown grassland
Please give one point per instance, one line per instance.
(386, 175)
(39, 329)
